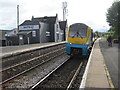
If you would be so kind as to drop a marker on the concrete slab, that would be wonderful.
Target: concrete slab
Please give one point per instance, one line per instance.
(97, 81)
(10, 50)
(96, 76)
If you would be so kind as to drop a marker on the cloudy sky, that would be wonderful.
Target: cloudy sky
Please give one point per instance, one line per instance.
(90, 12)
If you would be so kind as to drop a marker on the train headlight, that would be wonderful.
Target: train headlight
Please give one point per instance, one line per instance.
(69, 43)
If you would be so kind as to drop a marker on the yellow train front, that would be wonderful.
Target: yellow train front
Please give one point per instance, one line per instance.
(79, 39)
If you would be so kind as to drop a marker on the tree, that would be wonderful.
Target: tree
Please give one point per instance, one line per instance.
(96, 34)
(113, 16)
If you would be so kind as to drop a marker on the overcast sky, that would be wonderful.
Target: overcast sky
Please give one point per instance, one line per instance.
(90, 12)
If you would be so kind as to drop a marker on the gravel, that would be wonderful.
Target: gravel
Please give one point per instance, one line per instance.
(32, 77)
(61, 78)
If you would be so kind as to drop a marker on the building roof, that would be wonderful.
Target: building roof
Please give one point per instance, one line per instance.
(24, 32)
(46, 19)
(29, 22)
(12, 33)
(2, 34)
(35, 21)
(63, 24)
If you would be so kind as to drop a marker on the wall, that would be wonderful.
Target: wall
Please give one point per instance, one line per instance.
(44, 27)
(52, 32)
(58, 32)
(12, 40)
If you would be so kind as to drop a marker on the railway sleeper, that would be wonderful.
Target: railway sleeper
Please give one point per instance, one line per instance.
(14, 59)
(12, 72)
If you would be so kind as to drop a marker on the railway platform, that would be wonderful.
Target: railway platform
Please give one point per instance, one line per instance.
(10, 50)
(96, 74)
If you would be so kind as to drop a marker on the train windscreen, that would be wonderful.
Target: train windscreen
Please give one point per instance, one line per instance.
(77, 31)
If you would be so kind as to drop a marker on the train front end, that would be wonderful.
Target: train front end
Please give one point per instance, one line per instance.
(78, 39)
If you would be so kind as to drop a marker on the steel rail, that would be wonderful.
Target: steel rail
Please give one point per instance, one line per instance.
(28, 70)
(74, 77)
(18, 58)
(34, 86)
(33, 66)
(31, 60)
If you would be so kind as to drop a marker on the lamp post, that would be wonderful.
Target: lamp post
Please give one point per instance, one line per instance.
(17, 18)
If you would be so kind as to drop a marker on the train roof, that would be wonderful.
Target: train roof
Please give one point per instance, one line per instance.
(82, 25)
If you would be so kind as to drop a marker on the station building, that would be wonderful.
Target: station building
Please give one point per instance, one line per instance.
(39, 30)
(2, 37)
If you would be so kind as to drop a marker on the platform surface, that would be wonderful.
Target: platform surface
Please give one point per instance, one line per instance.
(96, 77)
(97, 72)
(21, 48)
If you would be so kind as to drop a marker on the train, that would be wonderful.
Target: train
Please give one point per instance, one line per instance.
(79, 39)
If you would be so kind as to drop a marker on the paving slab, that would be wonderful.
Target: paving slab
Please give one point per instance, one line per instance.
(96, 76)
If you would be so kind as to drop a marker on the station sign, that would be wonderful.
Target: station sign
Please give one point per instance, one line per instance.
(28, 27)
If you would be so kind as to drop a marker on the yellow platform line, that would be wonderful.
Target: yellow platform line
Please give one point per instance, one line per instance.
(109, 78)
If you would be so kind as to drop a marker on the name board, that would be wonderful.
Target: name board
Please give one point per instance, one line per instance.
(28, 27)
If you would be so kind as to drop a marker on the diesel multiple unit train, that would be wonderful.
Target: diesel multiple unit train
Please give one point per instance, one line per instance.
(79, 39)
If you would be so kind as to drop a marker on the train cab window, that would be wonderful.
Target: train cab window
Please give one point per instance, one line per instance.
(83, 32)
(76, 32)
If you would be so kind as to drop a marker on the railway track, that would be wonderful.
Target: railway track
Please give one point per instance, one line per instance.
(64, 76)
(28, 79)
(18, 69)
(19, 57)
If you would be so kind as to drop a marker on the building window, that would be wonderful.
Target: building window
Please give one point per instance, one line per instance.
(34, 33)
(57, 25)
(61, 33)
(47, 33)
(57, 32)
(21, 37)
